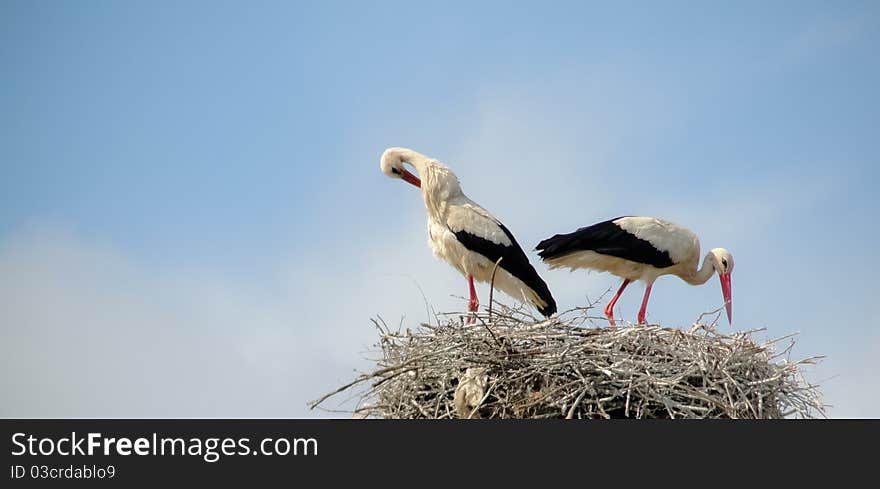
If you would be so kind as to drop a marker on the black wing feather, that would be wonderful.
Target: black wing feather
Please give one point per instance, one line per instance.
(514, 261)
(606, 238)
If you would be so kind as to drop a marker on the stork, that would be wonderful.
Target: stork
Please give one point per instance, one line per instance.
(465, 235)
(639, 248)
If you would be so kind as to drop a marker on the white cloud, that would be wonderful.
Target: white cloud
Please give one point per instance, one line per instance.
(823, 34)
(89, 332)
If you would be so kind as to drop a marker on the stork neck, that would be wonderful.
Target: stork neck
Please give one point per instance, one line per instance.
(416, 159)
(699, 277)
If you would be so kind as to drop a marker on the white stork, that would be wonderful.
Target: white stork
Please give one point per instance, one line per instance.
(466, 235)
(639, 248)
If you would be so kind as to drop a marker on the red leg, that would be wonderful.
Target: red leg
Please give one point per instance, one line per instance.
(474, 303)
(645, 304)
(609, 309)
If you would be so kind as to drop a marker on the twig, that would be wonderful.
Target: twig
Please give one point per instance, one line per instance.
(575, 404)
(492, 285)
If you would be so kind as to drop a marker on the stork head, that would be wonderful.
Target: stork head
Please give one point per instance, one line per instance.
(722, 260)
(392, 165)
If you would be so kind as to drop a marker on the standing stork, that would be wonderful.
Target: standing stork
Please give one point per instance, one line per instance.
(639, 248)
(466, 235)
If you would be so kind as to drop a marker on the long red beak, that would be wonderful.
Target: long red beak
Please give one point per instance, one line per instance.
(410, 178)
(725, 290)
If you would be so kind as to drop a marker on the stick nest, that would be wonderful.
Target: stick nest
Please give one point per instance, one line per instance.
(508, 364)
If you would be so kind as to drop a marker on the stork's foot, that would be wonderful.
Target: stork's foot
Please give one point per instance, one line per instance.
(610, 315)
(473, 303)
(644, 309)
(473, 307)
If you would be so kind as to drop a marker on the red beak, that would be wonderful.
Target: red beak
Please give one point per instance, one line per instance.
(725, 290)
(410, 178)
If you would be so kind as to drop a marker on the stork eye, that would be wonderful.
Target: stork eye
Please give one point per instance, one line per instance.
(395, 171)
(724, 262)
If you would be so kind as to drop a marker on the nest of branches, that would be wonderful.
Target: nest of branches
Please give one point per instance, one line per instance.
(509, 364)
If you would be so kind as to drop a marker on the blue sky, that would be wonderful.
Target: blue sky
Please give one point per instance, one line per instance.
(190, 193)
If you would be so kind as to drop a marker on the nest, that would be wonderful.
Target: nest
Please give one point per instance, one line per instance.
(508, 364)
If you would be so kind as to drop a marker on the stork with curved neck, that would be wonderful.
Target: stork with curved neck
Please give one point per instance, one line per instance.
(639, 248)
(465, 235)
(708, 267)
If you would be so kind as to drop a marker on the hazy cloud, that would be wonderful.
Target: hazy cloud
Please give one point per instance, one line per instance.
(824, 34)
